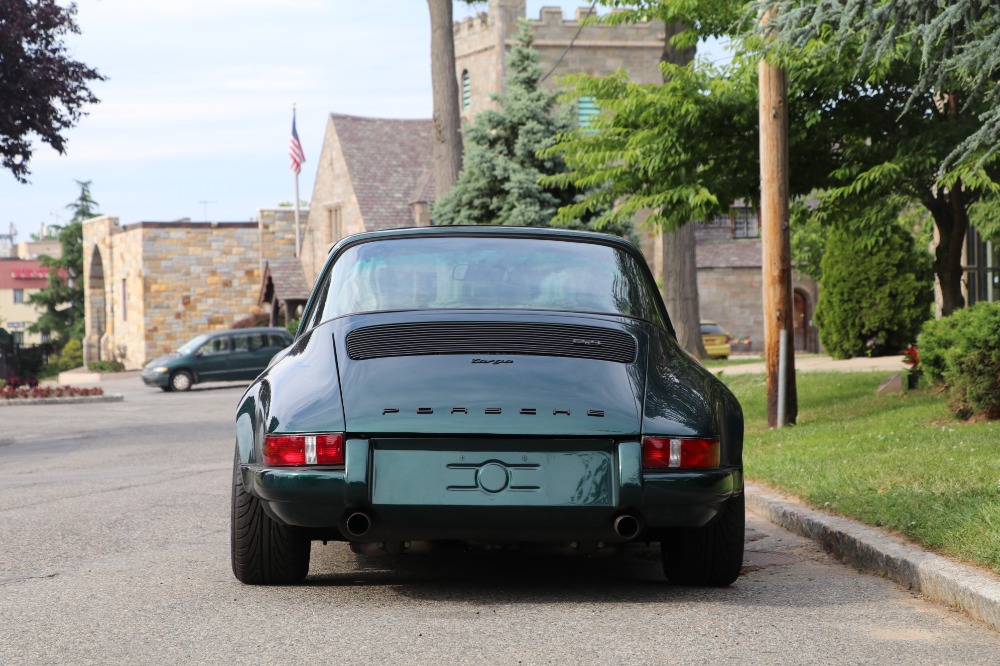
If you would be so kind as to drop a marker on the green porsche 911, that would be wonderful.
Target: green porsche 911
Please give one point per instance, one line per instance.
(492, 385)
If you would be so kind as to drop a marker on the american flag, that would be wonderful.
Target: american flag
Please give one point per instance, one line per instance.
(295, 150)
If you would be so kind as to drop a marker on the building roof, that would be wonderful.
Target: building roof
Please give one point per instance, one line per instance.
(387, 160)
(729, 253)
(22, 274)
(287, 278)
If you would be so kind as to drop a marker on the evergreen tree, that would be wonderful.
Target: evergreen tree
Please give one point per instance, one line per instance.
(956, 43)
(499, 183)
(876, 291)
(62, 299)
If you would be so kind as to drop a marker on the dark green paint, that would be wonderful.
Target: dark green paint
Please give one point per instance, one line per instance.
(465, 474)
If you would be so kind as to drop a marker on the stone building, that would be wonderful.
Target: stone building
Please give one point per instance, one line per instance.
(481, 44)
(375, 173)
(151, 286)
(731, 282)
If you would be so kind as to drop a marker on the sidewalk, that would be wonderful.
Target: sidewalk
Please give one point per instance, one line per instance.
(819, 363)
(975, 592)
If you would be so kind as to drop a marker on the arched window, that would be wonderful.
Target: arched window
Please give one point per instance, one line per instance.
(466, 90)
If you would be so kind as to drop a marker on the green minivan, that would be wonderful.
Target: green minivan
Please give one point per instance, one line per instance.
(235, 355)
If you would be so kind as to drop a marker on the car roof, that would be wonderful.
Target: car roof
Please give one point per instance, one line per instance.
(487, 230)
(254, 329)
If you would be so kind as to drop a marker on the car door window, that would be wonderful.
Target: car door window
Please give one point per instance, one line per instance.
(214, 347)
(241, 343)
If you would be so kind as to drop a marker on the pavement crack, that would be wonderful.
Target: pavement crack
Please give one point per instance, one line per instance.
(21, 579)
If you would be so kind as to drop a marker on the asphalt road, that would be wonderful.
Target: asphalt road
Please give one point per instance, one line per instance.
(114, 548)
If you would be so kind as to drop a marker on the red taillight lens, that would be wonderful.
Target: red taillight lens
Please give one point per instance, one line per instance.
(679, 453)
(288, 450)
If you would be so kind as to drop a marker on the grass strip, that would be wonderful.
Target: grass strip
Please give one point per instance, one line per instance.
(898, 461)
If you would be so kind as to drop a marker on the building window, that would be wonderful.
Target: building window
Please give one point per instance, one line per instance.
(466, 90)
(18, 337)
(745, 223)
(741, 221)
(124, 301)
(586, 108)
(18, 296)
(334, 225)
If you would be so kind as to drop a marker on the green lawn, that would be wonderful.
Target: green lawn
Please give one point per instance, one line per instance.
(896, 461)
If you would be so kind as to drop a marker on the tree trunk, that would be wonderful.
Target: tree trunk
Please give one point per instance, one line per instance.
(680, 270)
(680, 287)
(951, 217)
(447, 125)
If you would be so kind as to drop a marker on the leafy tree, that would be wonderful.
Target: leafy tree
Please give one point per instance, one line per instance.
(500, 181)
(956, 43)
(62, 299)
(42, 89)
(860, 133)
(808, 238)
(876, 290)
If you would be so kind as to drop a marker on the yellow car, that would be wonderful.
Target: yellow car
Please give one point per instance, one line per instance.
(715, 339)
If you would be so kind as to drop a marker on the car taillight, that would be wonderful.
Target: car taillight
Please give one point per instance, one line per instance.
(679, 453)
(290, 450)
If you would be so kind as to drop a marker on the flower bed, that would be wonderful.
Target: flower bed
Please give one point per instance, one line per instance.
(29, 392)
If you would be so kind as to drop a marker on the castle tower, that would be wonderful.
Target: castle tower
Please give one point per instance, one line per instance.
(481, 44)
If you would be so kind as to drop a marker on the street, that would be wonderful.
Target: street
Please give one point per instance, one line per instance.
(114, 548)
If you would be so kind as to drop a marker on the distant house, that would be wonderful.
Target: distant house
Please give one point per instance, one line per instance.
(19, 279)
(374, 173)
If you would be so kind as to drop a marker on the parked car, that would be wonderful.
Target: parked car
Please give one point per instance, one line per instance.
(716, 340)
(490, 384)
(235, 355)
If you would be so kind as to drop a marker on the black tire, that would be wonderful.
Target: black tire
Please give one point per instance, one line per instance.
(711, 555)
(181, 381)
(264, 552)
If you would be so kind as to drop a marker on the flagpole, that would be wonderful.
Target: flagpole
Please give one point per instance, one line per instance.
(298, 242)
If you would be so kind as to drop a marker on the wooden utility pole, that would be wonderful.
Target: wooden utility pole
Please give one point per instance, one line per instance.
(775, 240)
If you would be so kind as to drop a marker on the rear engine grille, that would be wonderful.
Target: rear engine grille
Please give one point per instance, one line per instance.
(416, 339)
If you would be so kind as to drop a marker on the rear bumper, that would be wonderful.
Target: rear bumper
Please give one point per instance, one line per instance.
(323, 499)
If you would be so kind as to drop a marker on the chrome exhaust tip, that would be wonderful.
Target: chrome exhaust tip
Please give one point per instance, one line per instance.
(358, 524)
(626, 526)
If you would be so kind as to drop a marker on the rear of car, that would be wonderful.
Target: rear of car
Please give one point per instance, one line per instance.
(716, 340)
(491, 385)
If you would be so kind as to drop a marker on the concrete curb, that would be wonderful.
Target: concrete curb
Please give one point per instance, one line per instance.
(867, 549)
(65, 400)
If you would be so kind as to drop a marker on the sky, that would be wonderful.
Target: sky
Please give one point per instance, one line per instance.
(195, 117)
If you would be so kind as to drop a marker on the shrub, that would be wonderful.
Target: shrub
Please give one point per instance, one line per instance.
(252, 321)
(71, 355)
(293, 326)
(962, 352)
(106, 366)
(876, 291)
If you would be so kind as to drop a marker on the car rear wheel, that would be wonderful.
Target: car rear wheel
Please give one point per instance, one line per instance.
(264, 552)
(181, 380)
(711, 555)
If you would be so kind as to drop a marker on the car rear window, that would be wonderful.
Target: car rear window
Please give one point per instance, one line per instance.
(712, 329)
(487, 273)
